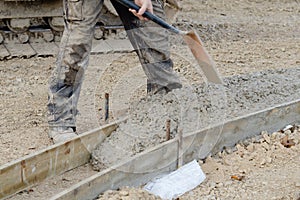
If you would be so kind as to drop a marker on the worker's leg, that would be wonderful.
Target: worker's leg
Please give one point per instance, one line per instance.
(72, 61)
(151, 43)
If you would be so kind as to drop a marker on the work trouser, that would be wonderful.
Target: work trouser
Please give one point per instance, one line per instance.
(149, 41)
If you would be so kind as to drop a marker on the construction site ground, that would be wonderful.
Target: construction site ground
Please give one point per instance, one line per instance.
(242, 37)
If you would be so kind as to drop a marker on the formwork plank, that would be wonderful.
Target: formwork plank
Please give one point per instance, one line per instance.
(20, 50)
(163, 158)
(136, 171)
(45, 49)
(231, 132)
(24, 172)
(270, 120)
(3, 52)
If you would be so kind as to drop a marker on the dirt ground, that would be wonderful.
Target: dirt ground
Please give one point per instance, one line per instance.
(241, 36)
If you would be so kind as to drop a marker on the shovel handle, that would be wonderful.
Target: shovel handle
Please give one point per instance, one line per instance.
(150, 16)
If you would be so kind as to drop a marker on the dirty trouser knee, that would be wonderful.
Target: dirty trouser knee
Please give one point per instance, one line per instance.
(151, 43)
(72, 60)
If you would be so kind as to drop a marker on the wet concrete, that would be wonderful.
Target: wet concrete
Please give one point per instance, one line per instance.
(195, 107)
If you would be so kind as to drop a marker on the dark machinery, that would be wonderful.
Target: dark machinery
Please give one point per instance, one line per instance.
(22, 20)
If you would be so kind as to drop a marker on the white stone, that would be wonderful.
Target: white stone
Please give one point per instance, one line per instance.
(251, 147)
(124, 193)
(267, 138)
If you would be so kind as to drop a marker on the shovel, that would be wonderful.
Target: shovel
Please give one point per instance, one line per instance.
(191, 38)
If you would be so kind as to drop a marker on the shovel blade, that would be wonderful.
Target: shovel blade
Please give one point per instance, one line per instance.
(204, 60)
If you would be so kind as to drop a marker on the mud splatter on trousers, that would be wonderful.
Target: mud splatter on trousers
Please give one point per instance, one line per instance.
(149, 41)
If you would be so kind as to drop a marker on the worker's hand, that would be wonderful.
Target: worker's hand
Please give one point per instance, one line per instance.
(146, 5)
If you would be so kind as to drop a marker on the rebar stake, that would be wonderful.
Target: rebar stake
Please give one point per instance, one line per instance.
(168, 129)
(180, 151)
(106, 106)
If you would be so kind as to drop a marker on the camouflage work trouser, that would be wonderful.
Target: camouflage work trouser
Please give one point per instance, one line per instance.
(148, 39)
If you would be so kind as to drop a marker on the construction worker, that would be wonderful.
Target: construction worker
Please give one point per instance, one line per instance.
(149, 41)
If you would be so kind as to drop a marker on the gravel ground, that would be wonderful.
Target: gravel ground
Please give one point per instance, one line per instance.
(260, 168)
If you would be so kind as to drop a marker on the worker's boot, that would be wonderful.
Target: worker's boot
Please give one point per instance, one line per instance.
(153, 88)
(60, 134)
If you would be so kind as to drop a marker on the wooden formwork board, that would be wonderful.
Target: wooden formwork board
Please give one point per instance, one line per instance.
(135, 171)
(34, 168)
(163, 158)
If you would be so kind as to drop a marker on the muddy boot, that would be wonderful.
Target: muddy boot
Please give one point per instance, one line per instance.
(60, 134)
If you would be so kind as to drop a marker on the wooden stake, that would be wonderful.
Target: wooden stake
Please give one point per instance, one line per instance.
(168, 129)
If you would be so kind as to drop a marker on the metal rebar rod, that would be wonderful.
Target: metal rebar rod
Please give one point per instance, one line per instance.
(106, 106)
(168, 129)
(180, 150)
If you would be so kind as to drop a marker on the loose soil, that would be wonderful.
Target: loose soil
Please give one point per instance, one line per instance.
(241, 36)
